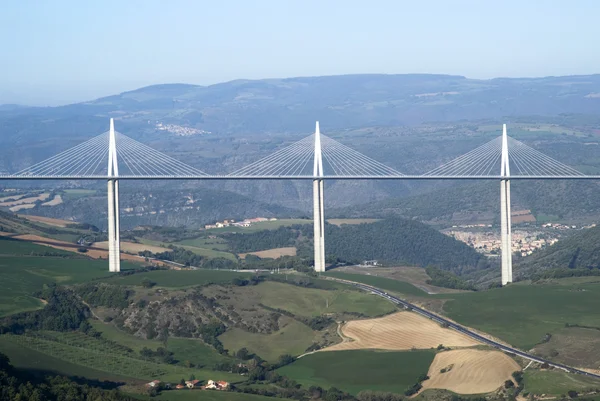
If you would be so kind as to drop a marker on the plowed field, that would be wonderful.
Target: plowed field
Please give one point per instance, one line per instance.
(470, 371)
(399, 331)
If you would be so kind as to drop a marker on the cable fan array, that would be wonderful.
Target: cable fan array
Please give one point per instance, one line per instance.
(297, 160)
(142, 160)
(85, 159)
(485, 160)
(90, 159)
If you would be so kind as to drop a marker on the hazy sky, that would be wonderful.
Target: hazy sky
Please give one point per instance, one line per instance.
(60, 51)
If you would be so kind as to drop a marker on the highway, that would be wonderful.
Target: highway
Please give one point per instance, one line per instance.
(461, 329)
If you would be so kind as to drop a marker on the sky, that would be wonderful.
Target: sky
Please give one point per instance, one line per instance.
(65, 51)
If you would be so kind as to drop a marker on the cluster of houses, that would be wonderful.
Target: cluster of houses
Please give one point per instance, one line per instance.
(191, 384)
(243, 223)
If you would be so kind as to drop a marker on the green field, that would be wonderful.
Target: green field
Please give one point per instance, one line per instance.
(557, 382)
(179, 278)
(522, 314)
(204, 242)
(353, 371)
(76, 348)
(400, 287)
(183, 349)
(27, 358)
(311, 302)
(24, 275)
(194, 395)
(293, 339)
(210, 253)
(70, 194)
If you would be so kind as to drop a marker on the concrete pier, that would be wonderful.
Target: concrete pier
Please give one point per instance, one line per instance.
(318, 205)
(505, 217)
(114, 245)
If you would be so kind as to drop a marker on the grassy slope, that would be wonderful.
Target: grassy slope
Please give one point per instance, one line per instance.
(313, 302)
(26, 358)
(557, 382)
(292, 339)
(77, 349)
(520, 314)
(194, 395)
(184, 349)
(23, 275)
(354, 371)
(179, 278)
(400, 287)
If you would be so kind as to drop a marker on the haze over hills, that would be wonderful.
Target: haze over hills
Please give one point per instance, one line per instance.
(276, 105)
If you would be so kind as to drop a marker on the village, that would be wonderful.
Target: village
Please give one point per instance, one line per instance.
(243, 223)
(485, 238)
(188, 384)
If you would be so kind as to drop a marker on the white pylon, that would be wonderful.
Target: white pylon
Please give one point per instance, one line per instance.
(114, 246)
(505, 218)
(318, 205)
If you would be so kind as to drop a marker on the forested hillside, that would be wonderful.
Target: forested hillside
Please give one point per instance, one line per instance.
(563, 199)
(396, 240)
(392, 240)
(575, 255)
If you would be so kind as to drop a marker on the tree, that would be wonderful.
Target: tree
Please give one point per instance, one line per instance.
(147, 283)
(509, 384)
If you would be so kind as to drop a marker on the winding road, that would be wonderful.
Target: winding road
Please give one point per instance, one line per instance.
(461, 329)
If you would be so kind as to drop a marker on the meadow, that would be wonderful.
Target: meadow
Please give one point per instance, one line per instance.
(27, 358)
(292, 339)
(78, 349)
(23, 275)
(520, 314)
(400, 287)
(310, 302)
(179, 278)
(353, 371)
(555, 382)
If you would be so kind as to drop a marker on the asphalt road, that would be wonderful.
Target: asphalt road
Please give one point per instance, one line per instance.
(460, 328)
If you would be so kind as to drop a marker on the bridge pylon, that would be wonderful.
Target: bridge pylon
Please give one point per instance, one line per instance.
(505, 217)
(114, 246)
(318, 205)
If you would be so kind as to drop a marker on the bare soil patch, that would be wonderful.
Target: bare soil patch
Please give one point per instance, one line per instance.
(133, 247)
(399, 331)
(470, 371)
(21, 207)
(56, 201)
(92, 252)
(22, 201)
(47, 220)
(272, 253)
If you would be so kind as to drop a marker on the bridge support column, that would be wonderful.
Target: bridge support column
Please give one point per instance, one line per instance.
(505, 232)
(319, 225)
(318, 205)
(114, 260)
(505, 217)
(114, 245)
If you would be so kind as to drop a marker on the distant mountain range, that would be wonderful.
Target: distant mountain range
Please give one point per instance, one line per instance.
(293, 104)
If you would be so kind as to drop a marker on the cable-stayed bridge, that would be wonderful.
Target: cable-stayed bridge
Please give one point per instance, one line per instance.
(113, 156)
